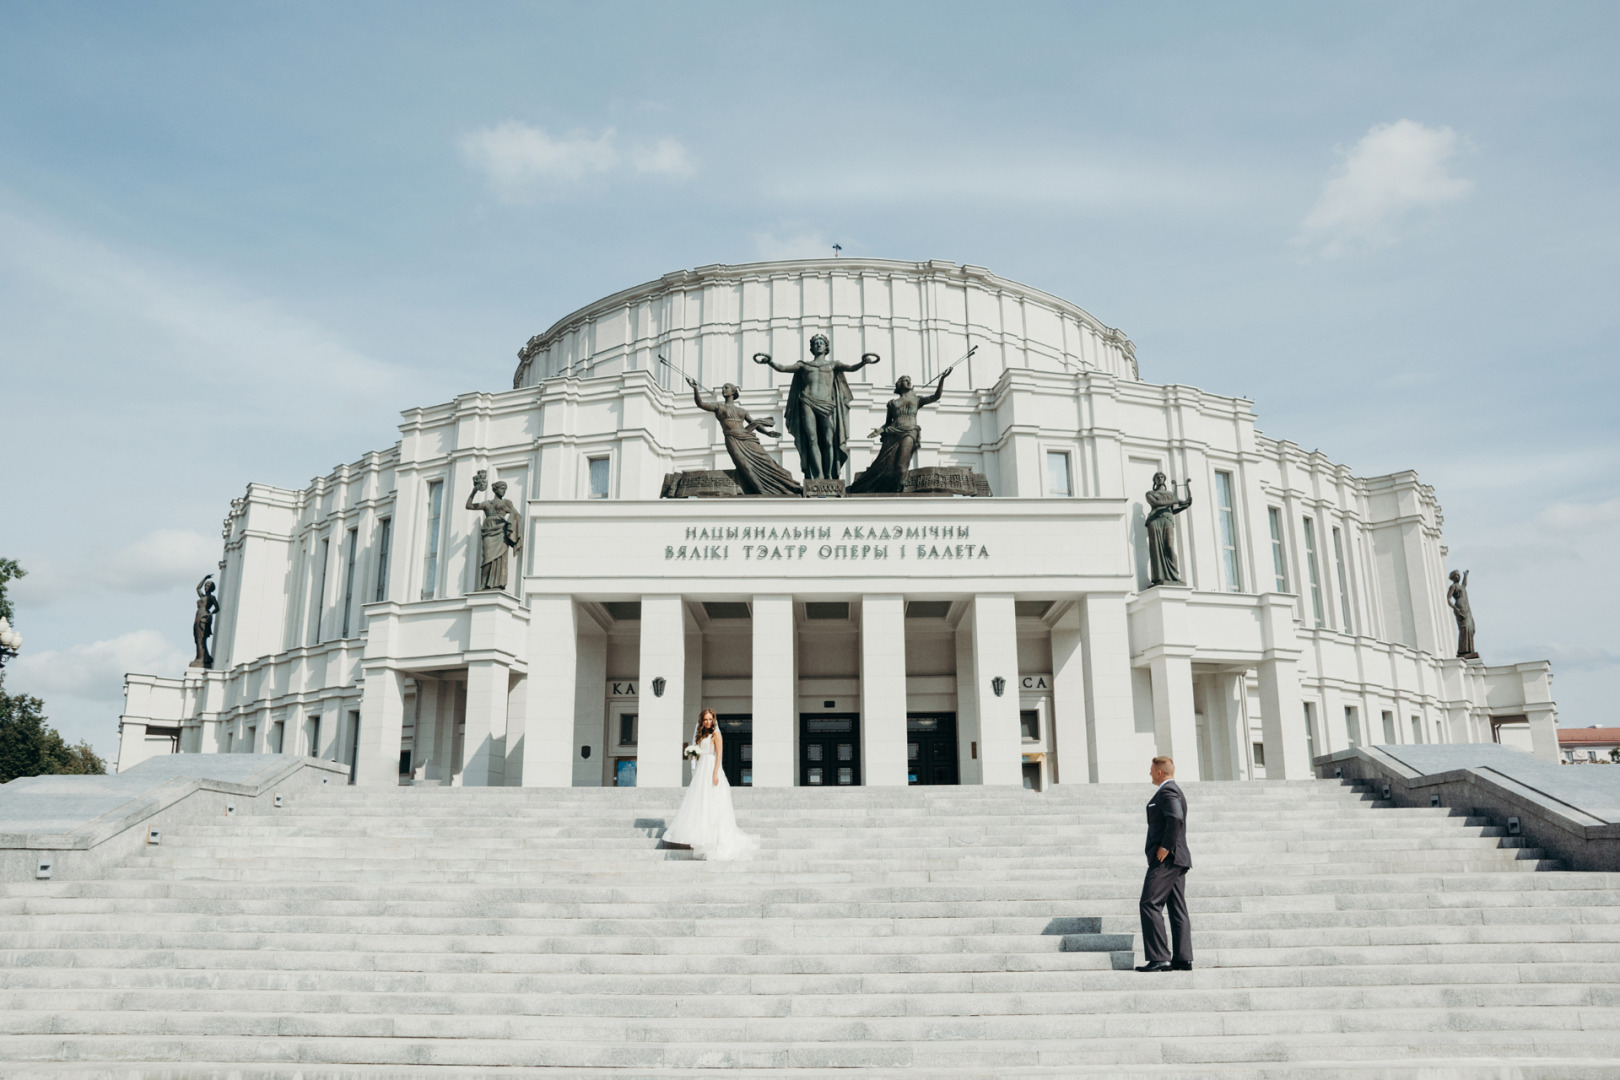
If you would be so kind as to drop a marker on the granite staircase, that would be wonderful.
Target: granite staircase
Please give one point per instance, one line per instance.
(924, 932)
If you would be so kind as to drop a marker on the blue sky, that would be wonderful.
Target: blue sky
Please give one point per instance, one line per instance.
(236, 240)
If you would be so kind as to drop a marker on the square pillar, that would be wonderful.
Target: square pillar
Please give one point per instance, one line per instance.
(1282, 720)
(662, 719)
(548, 707)
(1282, 708)
(483, 752)
(131, 744)
(424, 756)
(883, 690)
(774, 691)
(1071, 746)
(995, 655)
(382, 718)
(1175, 728)
(1106, 650)
(590, 708)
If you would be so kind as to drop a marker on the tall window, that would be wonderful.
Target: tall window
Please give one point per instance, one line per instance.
(319, 604)
(1310, 730)
(1352, 725)
(1278, 563)
(1228, 516)
(1349, 625)
(1417, 729)
(599, 477)
(1057, 473)
(1316, 576)
(430, 562)
(385, 541)
(1389, 727)
(348, 579)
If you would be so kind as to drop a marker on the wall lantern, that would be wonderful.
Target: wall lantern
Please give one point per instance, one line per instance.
(584, 751)
(658, 686)
(998, 684)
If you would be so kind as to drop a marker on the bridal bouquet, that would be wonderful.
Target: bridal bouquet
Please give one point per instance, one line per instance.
(690, 753)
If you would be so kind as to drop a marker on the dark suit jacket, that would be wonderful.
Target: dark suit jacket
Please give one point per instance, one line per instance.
(1167, 826)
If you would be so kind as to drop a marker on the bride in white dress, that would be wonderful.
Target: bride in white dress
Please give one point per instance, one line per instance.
(706, 822)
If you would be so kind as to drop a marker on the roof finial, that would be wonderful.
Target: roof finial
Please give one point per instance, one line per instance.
(837, 248)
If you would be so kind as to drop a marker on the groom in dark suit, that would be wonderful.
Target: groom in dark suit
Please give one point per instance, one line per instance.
(1166, 884)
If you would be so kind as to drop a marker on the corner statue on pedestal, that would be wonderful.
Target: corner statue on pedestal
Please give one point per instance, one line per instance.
(1457, 597)
(202, 627)
(501, 533)
(818, 408)
(757, 472)
(901, 435)
(1161, 530)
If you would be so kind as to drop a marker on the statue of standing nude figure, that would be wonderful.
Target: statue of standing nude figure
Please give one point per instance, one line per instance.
(1457, 597)
(901, 436)
(501, 533)
(818, 407)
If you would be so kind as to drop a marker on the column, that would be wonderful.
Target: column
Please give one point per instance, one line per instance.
(131, 744)
(1071, 744)
(1282, 720)
(590, 707)
(1225, 705)
(995, 656)
(548, 709)
(883, 690)
(1106, 648)
(483, 752)
(663, 656)
(1175, 728)
(424, 758)
(774, 691)
(382, 716)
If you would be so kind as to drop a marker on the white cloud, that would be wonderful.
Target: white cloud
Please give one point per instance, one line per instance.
(162, 560)
(1393, 171)
(1563, 515)
(95, 672)
(519, 159)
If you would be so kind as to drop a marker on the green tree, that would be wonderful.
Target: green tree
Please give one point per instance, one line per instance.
(28, 745)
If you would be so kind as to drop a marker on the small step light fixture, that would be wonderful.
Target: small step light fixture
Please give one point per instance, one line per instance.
(1434, 800)
(276, 800)
(230, 809)
(1513, 827)
(45, 868)
(1386, 791)
(154, 836)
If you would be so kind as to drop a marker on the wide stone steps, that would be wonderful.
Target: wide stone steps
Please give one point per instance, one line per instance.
(439, 932)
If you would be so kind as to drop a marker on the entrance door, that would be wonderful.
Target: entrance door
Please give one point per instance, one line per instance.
(737, 754)
(829, 750)
(931, 748)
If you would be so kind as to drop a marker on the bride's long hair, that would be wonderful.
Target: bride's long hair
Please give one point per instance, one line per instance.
(697, 732)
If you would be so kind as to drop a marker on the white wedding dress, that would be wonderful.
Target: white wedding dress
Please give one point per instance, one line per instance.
(706, 822)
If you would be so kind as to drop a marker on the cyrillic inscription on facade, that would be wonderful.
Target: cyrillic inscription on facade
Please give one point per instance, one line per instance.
(802, 543)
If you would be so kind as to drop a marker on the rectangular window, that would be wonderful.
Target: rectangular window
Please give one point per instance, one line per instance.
(1057, 473)
(1278, 563)
(627, 729)
(1029, 724)
(348, 579)
(1352, 725)
(1310, 730)
(1417, 730)
(1348, 625)
(1389, 727)
(599, 477)
(1224, 505)
(354, 745)
(313, 727)
(430, 562)
(278, 735)
(1316, 576)
(385, 541)
(316, 608)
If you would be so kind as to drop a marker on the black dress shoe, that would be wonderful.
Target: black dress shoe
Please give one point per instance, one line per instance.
(1181, 965)
(1155, 965)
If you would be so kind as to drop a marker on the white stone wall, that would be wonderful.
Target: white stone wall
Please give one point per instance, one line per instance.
(1225, 664)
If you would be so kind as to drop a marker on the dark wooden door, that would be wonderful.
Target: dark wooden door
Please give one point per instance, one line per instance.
(829, 750)
(737, 749)
(931, 749)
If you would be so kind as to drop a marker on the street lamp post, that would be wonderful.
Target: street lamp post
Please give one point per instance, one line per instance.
(10, 641)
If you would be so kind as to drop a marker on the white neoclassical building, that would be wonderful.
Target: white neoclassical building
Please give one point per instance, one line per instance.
(1006, 639)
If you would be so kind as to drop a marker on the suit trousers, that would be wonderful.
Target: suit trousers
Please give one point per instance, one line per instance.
(1166, 887)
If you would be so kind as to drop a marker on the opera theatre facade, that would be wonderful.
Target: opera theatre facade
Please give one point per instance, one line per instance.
(902, 526)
